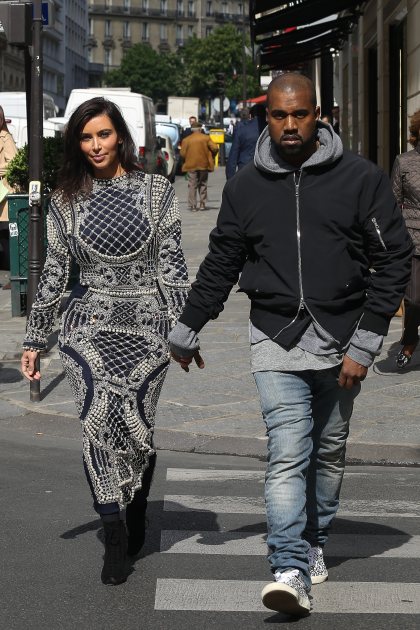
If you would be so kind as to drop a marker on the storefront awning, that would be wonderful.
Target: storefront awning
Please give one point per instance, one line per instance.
(288, 33)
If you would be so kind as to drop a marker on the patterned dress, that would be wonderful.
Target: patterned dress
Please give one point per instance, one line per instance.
(126, 238)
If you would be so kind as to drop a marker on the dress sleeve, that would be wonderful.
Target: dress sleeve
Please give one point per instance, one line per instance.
(172, 266)
(51, 288)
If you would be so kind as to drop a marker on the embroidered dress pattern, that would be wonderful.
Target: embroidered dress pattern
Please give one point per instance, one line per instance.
(126, 238)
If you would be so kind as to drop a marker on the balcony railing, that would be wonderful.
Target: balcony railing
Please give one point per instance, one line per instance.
(117, 10)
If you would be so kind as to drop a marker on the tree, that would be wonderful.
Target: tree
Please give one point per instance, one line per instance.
(220, 52)
(147, 72)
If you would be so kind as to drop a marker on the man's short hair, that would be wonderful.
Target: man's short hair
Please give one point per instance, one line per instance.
(292, 81)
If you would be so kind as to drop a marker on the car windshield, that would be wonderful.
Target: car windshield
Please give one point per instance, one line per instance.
(168, 130)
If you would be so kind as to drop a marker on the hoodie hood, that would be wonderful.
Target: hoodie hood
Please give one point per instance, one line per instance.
(266, 157)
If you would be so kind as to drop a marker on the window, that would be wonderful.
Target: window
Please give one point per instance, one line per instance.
(209, 30)
(126, 29)
(90, 26)
(179, 33)
(108, 31)
(145, 31)
(164, 7)
(163, 33)
(190, 30)
(107, 58)
(240, 8)
(108, 4)
(127, 5)
(180, 7)
(224, 8)
(191, 8)
(209, 10)
(145, 5)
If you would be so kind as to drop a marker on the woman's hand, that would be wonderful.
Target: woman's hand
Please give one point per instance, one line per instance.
(27, 364)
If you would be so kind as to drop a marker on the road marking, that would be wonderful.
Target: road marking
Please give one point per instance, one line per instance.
(255, 505)
(331, 597)
(247, 543)
(199, 474)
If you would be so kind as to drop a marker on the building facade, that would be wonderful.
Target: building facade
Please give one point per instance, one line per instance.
(377, 79)
(116, 25)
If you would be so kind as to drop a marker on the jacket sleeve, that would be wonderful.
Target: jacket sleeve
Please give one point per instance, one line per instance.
(220, 269)
(51, 288)
(172, 266)
(397, 183)
(389, 249)
(232, 160)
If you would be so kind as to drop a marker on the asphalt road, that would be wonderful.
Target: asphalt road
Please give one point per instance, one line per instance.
(204, 562)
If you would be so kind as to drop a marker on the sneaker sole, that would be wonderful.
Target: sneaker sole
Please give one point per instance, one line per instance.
(283, 598)
(318, 579)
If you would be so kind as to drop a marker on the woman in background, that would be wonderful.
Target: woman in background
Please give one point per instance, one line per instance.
(406, 187)
(7, 153)
(123, 229)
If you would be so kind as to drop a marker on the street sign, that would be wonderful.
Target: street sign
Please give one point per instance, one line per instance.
(45, 13)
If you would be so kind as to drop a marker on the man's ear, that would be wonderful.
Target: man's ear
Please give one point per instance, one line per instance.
(317, 112)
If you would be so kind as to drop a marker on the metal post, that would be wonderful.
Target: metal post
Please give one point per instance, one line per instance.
(244, 89)
(35, 254)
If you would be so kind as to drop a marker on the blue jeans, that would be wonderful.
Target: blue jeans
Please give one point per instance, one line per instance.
(307, 417)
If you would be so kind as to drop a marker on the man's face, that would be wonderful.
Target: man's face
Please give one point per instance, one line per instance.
(192, 119)
(291, 118)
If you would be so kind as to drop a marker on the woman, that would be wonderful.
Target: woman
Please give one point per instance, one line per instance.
(7, 153)
(123, 229)
(406, 187)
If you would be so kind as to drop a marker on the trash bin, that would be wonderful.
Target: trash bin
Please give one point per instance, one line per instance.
(19, 212)
(218, 137)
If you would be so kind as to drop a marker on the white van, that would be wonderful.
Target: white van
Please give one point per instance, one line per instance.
(18, 127)
(14, 104)
(139, 114)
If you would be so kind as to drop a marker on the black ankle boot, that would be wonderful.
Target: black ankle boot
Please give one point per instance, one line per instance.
(114, 569)
(135, 514)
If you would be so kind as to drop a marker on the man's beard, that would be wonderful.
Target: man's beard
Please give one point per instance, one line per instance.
(301, 148)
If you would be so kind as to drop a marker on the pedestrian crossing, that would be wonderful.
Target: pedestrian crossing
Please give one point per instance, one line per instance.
(238, 542)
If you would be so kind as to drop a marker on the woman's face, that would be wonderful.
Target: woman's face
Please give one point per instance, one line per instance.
(99, 143)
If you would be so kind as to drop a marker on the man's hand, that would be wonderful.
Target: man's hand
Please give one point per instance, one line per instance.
(351, 373)
(185, 361)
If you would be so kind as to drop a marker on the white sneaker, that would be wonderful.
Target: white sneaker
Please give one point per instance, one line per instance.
(288, 594)
(317, 569)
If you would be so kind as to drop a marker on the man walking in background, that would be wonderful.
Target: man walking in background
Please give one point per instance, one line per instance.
(245, 137)
(322, 252)
(197, 153)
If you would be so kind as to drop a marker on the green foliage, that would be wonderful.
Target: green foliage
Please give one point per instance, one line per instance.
(17, 171)
(191, 71)
(221, 51)
(147, 72)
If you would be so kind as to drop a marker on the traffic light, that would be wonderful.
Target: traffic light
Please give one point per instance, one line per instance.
(220, 82)
(16, 22)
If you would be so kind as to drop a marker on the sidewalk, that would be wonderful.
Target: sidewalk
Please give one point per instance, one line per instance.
(217, 410)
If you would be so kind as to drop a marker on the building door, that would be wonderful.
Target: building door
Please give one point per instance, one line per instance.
(372, 105)
(397, 90)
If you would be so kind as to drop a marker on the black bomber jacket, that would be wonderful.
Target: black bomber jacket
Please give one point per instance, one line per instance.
(326, 242)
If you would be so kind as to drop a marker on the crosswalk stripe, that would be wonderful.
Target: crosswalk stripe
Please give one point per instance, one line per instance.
(253, 544)
(331, 597)
(199, 474)
(255, 505)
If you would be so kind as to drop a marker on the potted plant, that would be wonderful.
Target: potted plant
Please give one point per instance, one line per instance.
(17, 171)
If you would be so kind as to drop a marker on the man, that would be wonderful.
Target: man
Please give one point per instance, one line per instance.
(245, 139)
(325, 258)
(188, 131)
(335, 113)
(197, 153)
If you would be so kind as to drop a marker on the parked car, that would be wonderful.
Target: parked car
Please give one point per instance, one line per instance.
(169, 154)
(174, 132)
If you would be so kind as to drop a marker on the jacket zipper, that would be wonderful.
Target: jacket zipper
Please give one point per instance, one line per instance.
(302, 303)
(378, 231)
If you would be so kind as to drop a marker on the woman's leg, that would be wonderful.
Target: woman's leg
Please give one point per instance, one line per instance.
(135, 515)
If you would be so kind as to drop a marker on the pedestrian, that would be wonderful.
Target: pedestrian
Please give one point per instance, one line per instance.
(335, 113)
(122, 227)
(321, 249)
(7, 153)
(198, 153)
(188, 130)
(406, 186)
(245, 139)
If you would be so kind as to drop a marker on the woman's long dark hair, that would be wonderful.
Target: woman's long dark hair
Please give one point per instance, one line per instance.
(76, 173)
